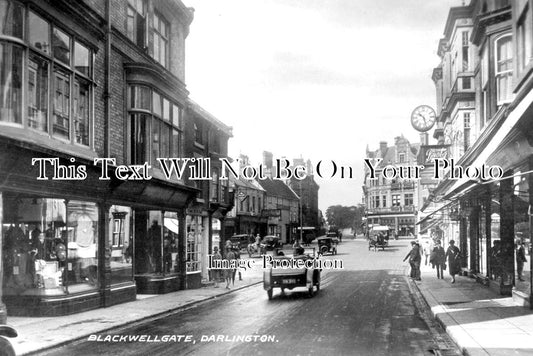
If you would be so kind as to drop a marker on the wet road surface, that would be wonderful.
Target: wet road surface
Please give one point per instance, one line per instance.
(368, 308)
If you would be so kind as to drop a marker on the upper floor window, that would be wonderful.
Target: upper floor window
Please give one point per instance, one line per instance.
(524, 34)
(57, 77)
(198, 132)
(408, 199)
(396, 200)
(465, 46)
(401, 157)
(155, 126)
(504, 69)
(160, 40)
(136, 21)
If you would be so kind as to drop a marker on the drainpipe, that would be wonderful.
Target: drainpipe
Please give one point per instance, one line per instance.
(107, 85)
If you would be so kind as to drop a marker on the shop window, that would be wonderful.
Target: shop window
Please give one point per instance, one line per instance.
(49, 247)
(194, 237)
(121, 242)
(136, 21)
(160, 40)
(170, 242)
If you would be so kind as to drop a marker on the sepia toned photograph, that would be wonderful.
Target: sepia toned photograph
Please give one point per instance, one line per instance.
(266, 177)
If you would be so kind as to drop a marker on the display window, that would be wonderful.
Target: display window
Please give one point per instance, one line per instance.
(194, 238)
(49, 245)
(121, 243)
(170, 243)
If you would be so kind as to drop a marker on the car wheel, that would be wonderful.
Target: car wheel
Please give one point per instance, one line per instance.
(269, 293)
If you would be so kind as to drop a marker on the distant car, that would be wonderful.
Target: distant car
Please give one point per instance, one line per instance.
(272, 242)
(290, 278)
(240, 241)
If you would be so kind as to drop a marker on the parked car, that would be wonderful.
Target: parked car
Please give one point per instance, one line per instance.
(5, 345)
(241, 241)
(290, 278)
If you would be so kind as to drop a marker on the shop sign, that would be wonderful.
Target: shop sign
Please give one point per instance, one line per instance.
(271, 213)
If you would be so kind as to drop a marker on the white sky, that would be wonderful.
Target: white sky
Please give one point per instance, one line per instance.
(318, 79)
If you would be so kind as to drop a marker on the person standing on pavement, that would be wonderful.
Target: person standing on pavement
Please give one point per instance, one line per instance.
(229, 273)
(438, 259)
(453, 255)
(414, 260)
(520, 258)
(216, 272)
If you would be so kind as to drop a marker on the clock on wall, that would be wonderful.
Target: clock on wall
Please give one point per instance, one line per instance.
(423, 118)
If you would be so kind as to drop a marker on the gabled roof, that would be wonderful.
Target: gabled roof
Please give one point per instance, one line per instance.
(278, 188)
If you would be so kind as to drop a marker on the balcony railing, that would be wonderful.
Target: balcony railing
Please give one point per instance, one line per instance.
(393, 209)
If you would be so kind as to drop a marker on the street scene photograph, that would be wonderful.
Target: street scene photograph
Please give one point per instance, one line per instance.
(266, 177)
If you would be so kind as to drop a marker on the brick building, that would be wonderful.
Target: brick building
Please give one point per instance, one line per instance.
(90, 80)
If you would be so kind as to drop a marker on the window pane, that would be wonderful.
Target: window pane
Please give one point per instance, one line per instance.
(81, 59)
(10, 83)
(157, 104)
(140, 97)
(61, 104)
(176, 115)
(61, 46)
(139, 138)
(155, 141)
(175, 143)
(81, 112)
(12, 18)
(130, 24)
(165, 141)
(82, 234)
(39, 33)
(121, 239)
(166, 109)
(38, 93)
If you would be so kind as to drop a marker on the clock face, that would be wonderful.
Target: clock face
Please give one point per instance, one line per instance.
(423, 118)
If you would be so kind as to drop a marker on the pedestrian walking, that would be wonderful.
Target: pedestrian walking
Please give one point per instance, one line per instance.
(414, 260)
(453, 255)
(217, 257)
(438, 259)
(520, 258)
(229, 273)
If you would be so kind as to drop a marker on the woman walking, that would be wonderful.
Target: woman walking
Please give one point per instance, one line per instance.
(454, 263)
(438, 259)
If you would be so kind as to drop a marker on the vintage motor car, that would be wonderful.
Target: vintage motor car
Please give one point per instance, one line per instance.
(271, 242)
(241, 241)
(378, 237)
(327, 244)
(290, 278)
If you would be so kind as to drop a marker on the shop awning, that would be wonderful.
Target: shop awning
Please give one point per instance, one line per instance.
(430, 224)
(430, 215)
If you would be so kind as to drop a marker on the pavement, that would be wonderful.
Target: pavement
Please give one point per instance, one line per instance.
(478, 320)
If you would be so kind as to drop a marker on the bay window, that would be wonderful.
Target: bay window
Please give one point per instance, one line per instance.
(504, 69)
(155, 129)
(53, 69)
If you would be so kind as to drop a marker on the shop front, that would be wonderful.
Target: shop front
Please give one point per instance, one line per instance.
(69, 246)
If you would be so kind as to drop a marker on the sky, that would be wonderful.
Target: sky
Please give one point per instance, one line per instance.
(318, 79)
